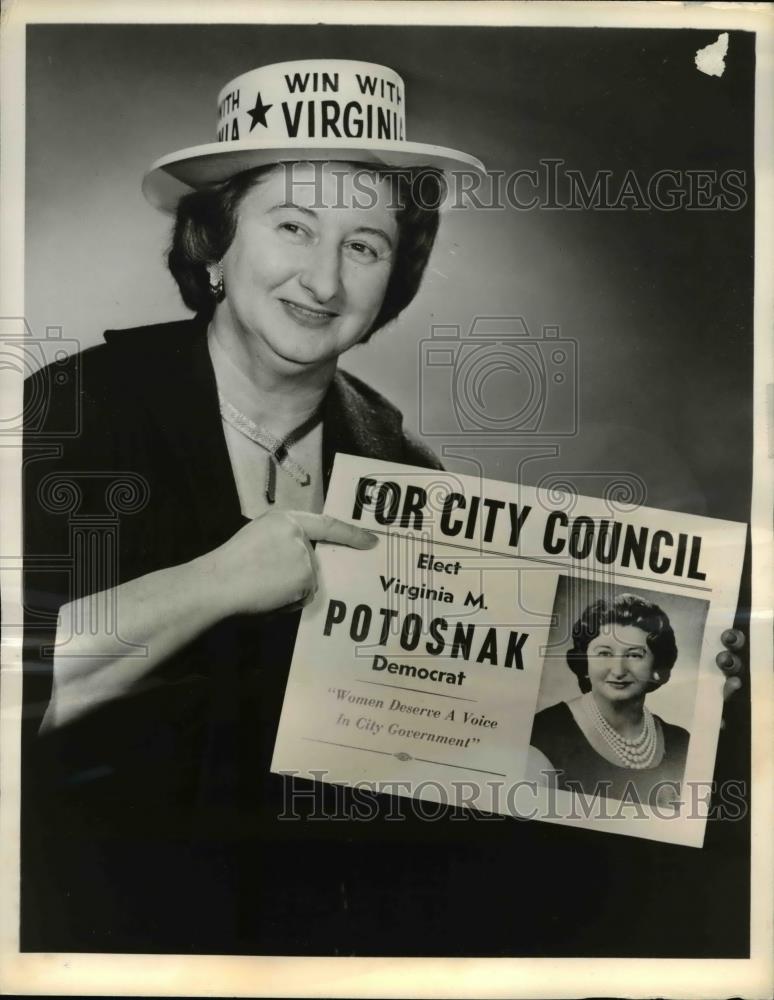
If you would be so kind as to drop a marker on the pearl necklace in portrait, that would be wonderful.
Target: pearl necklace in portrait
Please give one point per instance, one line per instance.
(638, 753)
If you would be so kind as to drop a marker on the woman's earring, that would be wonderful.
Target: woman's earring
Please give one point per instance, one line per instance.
(656, 677)
(215, 272)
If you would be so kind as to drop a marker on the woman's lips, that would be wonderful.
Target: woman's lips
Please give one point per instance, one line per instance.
(619, 684)
(308, 315)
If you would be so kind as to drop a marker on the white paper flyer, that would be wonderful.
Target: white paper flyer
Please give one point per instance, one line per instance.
(516, 651)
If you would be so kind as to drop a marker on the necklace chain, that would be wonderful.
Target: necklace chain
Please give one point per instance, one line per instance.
(276, 447)
(637, 753)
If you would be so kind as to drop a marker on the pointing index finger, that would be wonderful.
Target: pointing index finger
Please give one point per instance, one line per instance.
(324, 528)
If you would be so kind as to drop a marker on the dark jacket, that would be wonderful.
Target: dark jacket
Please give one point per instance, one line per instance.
(163, 807)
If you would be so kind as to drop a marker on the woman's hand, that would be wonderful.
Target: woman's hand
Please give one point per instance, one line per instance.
(729, 661)
(266, 566)
(270, 564)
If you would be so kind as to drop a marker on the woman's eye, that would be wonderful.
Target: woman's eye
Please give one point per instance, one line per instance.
(361, 251)
(293, 229)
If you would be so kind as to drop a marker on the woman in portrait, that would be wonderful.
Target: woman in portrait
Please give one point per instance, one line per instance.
(608, 739)
(170, 542)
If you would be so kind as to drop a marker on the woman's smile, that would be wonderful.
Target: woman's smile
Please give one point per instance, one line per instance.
(310, 316)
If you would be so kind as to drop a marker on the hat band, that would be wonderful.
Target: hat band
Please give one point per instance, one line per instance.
(313, 99)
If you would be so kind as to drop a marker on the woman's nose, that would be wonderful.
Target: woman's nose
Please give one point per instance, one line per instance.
(321, 276)
(617, 666)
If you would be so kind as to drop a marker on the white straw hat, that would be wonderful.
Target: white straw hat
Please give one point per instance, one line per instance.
(310, 109)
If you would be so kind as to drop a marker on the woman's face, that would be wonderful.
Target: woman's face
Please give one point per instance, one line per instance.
(307, 271)
(620, 663)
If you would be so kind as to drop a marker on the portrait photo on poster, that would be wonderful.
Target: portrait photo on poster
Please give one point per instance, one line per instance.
(608, 650)
(346, 350)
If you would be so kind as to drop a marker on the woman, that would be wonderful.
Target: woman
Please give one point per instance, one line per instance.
(174, 538)
(205, 447)
(607, 741)
(287, 290)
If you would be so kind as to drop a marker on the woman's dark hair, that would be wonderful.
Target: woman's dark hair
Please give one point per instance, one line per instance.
(627, 609)
(207, 219)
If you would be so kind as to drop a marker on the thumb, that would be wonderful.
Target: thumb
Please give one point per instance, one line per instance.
(732, 685)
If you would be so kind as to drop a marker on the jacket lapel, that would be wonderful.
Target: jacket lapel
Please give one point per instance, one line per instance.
(356, 424)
